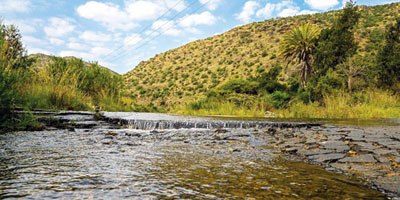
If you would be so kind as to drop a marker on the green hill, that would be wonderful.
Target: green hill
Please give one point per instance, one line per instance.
(186, 73)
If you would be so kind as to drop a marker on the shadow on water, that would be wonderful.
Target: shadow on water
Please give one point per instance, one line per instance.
(197, 176)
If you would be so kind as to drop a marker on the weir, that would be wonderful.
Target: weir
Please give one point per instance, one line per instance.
(155, 121)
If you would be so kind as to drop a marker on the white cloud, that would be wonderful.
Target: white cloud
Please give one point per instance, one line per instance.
(31, 40)
(56, 41)
(166, 27)
(90, 36)
(205, 18)
(58, 27)
(176, 5)
(192, 30)
(76, 45)
(15, 5)
(108, 14)
(100, 51)
(267, 11)
(284, 8)
(126, 18)
(249, 9)
(291, 11)
(23, 26)
(39, 50)
(306, 12)
(211, 4)
(321, 4)
(144, 10)
(132, 39)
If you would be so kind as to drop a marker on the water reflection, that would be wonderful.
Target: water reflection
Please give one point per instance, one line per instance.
(78, 165)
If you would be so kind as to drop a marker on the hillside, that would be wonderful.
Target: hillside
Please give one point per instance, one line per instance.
(43, 60)
(186, 73)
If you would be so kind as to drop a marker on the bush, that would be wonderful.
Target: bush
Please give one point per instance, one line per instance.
(240, 86)
(280, 99)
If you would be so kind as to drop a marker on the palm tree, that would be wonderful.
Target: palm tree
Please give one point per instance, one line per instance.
(298, 45)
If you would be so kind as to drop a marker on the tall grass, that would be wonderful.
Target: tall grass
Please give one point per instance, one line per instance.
(371, 104)
(210, 108)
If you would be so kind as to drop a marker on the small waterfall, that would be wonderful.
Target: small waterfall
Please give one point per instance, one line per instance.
(216, 124)
(152, 121)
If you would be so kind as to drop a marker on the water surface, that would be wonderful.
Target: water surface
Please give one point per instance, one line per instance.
(175, 164)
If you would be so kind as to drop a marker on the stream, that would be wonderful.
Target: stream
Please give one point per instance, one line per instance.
(101, 161)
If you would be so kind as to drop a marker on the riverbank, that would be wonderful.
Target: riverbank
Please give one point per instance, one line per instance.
(369, 104)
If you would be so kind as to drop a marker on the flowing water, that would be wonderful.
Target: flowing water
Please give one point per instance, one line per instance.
(173, 164)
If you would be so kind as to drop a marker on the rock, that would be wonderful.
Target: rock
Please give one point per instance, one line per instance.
(359, 159)
(338, 146)
(391, 184)
(220, 131)
(290, 150)
(382, 152)
(394, 146)
(109, 137)
(327, 157)
(133, 134)
(367, 147)
(112, 133)
(368, 171)
(154, 132)
(305, 152)
(382, 159)
(107, 142)
(341, 166)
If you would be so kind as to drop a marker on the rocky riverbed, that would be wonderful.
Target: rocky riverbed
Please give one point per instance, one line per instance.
(79, 156)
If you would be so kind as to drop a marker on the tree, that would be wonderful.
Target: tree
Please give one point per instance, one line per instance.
(388, 59)
(355, 66)
(8, 77)
(337, 43)
(298, 45)
(12, 52)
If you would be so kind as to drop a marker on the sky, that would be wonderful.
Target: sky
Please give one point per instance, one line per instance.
(119, 34)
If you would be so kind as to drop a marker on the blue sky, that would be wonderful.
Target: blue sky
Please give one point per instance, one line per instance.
(121, 33)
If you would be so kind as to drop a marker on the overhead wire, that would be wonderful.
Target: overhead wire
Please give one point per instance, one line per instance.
(146, 28)
(154, 31)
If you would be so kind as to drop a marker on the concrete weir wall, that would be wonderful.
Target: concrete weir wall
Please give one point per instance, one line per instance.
(152, 121)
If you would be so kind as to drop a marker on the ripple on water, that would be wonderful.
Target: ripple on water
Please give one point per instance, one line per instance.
(76, 165)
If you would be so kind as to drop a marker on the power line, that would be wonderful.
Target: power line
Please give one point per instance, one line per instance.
(146, 28)
(148, 41)
(153, 31)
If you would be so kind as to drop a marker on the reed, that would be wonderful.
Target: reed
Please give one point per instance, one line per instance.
(370, 104)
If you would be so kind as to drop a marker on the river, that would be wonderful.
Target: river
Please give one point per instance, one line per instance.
(106, 163)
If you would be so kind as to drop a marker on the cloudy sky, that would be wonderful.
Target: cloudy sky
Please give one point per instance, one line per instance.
(121, 33)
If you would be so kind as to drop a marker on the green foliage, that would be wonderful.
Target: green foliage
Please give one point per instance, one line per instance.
(388, 60)
(298, 46)
(7, 93)
(279, 99)
(268, 81)
(239, 86)
(337, 42)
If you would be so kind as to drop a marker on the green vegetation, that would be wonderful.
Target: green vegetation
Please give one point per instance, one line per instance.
(299, 46)
(279, 67)
(332, 77)
(339, 59)
(48, 82)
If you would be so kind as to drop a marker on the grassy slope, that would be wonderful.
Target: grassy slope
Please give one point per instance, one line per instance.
(186, 73)
(42, 60)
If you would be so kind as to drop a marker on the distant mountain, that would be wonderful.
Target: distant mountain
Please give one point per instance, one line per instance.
(186, 73)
